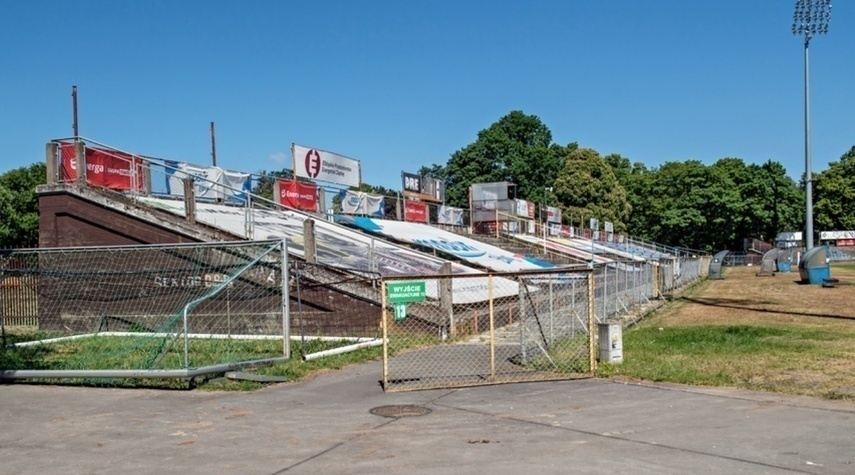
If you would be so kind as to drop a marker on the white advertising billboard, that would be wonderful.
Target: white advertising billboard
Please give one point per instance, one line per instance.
(836, 235)
(325, 166)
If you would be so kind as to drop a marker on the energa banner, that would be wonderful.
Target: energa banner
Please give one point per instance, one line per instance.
(297, 195)
(104, 168)
(450, 215)
(416, 211)
(325, 166)
(357, 202)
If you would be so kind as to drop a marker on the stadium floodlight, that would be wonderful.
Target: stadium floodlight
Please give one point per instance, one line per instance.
(810, 18)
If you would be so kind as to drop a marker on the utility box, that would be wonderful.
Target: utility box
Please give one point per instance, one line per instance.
(610, 342)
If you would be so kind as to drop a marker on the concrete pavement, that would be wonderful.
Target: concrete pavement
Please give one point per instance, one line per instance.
(324, 426)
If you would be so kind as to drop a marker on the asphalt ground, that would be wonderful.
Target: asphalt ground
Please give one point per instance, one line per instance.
(323, 425)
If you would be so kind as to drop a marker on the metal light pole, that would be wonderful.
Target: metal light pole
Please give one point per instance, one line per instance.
(811, 18)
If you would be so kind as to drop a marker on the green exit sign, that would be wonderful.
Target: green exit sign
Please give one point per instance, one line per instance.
(402, 292)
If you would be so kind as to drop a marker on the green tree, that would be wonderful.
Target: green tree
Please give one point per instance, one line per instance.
(834, 195)
(264, 184)
(19, 206)
(517, 148)
(587, 186)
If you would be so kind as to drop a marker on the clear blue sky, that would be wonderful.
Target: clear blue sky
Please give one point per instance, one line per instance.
(400, 84)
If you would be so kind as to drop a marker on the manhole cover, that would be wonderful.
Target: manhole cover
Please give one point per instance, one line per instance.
(401, 410)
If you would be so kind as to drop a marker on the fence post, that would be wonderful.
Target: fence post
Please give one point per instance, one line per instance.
(492, 326)
(146, 179)
(592, 360)
(80, 159)
(309, 241)
(445, 297)
(551, 314)
(522, 320)
(384, 325)
(189, 200)
(51, 162)
(286, 302)
(605, 291)
(372, 264)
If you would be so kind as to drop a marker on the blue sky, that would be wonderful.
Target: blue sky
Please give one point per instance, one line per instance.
(401, 84)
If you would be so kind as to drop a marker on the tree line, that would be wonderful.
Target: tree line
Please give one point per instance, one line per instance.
(688, 204)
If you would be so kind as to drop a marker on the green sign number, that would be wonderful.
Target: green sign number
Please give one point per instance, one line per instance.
(403, 292)
(400, 311)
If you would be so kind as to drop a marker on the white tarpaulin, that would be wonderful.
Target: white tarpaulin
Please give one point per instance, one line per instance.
(565, 249)
(357, 202)
(342, 247)
(209, 182)
(553, 214)
(325, 166)
(449, 215)
(463, 248)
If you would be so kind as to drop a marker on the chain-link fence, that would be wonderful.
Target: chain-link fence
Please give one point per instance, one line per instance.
(514, 327)
(628, 287)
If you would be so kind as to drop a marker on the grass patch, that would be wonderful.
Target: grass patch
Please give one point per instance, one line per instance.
(754, 333)
(130, 352)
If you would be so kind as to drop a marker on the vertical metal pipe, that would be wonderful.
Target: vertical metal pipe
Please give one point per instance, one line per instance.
(286, 302)
(605, 290)
(492, 332)
(808, 176)
(591, 359)
(384, 325)
(213, 146)
(186, 343)
(551, 314)
(74, 125)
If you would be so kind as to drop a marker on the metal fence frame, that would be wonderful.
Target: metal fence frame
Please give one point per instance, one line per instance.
(450, 334)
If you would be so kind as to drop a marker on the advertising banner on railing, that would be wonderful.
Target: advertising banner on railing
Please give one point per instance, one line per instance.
(421, 187)
(357, 202)
(553, 214)
(104, 168)
(836, 235)
(521, 207)
(461, 247)
(325, 166)
(339, 246)
(450, 215)
(211, 183)
(416, 211)
(297, 195)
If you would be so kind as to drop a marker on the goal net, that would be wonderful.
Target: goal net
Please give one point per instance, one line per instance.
(129, 310)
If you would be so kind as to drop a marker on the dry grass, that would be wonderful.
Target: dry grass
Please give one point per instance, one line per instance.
(768, 333)
(743, 297)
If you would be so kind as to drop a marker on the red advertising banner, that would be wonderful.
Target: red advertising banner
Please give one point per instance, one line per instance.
(104, 168)
(297, 195)
(530, 209)
(416, 211)
(846, 242)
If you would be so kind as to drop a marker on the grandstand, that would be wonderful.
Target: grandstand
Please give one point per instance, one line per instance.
(134, 199)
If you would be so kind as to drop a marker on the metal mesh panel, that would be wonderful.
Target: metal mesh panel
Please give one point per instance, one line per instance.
(514, 327)
(332, 301)
(142, 308)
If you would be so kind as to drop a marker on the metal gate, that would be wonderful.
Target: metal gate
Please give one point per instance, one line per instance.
(475, 329)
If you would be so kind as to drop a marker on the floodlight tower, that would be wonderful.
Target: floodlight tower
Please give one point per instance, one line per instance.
(811, 18)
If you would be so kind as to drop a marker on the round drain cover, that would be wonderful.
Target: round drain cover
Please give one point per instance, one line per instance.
(401, 410)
